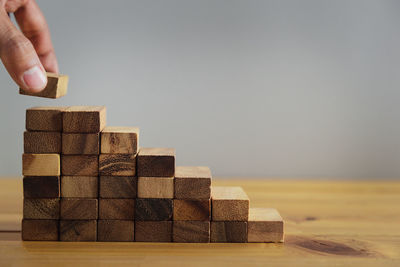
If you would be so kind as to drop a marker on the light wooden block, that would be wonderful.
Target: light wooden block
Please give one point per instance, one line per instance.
(150, 209)
(41, 165)
(80, 165)
(41, 208)
(229, 204)
(78, 230)
(42, 142)
(79, 186)
(117, 164)
(265, 225)
(192, 210)
(115, 231)
(117, 209)
(78, 144)
(47, 119)
(149, 231)
(39, 230)
(191, 231)
(57, 86)
(118, 186)
(192, 182)
(155, 187)
(228, 232)
(119, 140)
(41, 186)
(156, 162)
(78, 209)
(84, 119)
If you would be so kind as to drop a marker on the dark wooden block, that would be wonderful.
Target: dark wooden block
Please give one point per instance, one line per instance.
(78, 230)
(80, 144)
(84, 119)
(80, 165)
(56, 87)
(41, 187)
(39, 230)
(78, 209)
(115, 230)
(228, 232)
(79, 186)
(192, 210)
(265, 225)
(117, 164)
(41, 208)
(116, 209)
(191, 231)
(151, 209)
(119, 140)
(47, 119)
(229, 203)
(192, 182)
(156, 162)
(147, 231)
(118, 186)
(42, 142)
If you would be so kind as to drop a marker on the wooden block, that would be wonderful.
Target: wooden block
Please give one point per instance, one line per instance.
(160, 231)
(47, 119)
(41, 208)
(229, 204)
(84, 119)
(78, 230)
(41, 187)
(39, 230)
(192, 182)
(42, 142)
(155, 187)
(150, 209)
(192, 210)
(191, 231)
(41, 165)
(117, 164)
(116, 209)
(156, 162)
(228, 232)
(78, 144)
(265, 225)
(115, 230)
(79, 186)
(57, 85)
(80, 165)
(118, 186)
(119, 140)
(78, 209)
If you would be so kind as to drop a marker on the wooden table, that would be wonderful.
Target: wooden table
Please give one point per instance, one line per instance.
(328, 223)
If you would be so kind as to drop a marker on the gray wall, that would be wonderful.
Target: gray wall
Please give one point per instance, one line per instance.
(250, 88)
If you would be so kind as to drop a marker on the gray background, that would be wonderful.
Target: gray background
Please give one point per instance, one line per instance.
(250, 88)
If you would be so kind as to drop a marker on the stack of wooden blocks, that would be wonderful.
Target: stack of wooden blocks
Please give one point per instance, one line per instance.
(84, 181)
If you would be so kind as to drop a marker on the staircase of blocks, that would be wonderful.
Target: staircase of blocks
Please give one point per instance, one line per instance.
(85, 181)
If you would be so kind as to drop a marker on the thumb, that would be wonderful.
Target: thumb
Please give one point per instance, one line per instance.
(19, 57)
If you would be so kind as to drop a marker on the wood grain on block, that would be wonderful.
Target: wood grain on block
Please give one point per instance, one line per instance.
(150, 209)
(84, 119)
(78, 209)
(117, 164)
(57, 86)
(119, 140)
(229, 203)
(80, 165)
(228, 232)
(116, 209)
(147, 231)
(79, 186)
(192, 182)
(41, 186)
(41, 165)
(39, 230)
(41, 208)
(42, 142)
(78, 144)
(191, 231)
(47, 119)
(155, 187)
(156, 162)
(192, 210)
(118, 186)
(265, 225)
(78, 230)
(115, 230)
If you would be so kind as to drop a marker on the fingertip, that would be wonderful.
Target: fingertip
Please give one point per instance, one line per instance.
(34, 80)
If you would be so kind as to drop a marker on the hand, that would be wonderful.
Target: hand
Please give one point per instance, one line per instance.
(27, 54)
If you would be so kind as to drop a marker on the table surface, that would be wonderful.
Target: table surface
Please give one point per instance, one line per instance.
(329, 223)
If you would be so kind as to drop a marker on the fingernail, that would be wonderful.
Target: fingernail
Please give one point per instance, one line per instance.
(35, 79)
